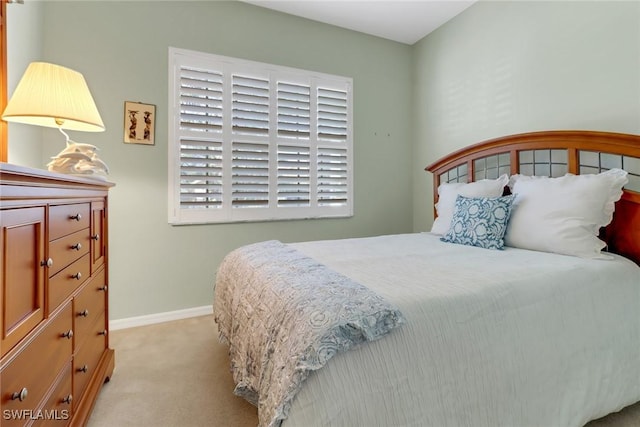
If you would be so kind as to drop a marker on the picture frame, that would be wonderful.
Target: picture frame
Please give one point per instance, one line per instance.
(139, 123)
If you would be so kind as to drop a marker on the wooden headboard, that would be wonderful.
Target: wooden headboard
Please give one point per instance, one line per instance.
(554, 153)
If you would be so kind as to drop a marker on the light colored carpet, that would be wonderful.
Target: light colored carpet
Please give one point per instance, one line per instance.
(176, 374)
(173, 374)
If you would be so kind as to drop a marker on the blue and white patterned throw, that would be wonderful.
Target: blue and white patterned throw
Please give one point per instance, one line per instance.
(283, 315)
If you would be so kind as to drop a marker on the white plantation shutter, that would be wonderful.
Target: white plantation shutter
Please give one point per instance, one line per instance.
(200, 174)
(250, 175)
(332, 114)
(250, 111)
(294, 178)
(333, 176)
(254, 142)
(200, 103)
(200, 100)
(333, 156)
(294, 122)
(294, 103)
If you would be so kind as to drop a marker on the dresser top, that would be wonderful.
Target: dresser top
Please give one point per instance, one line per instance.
(15, 174)
(21, 183)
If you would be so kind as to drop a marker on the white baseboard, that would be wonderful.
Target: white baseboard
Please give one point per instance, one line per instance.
(168, 316)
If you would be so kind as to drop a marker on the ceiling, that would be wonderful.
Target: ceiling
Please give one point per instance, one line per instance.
(397, 20)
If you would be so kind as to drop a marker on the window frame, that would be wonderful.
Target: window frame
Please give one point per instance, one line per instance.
(318, 143)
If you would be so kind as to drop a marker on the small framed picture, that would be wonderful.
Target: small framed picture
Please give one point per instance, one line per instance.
(139, 123)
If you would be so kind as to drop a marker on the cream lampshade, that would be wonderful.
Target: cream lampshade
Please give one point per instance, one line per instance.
(53, 96)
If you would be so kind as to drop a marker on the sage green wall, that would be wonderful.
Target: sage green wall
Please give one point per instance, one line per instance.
(122, 50)
(24, 41)
(509, 67)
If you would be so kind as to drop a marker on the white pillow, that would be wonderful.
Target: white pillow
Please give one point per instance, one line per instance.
(564, 215)
(447, 194)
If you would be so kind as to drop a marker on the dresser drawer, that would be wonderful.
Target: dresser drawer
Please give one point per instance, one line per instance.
(66, 281)
(86, 359)
(67, 249)
(88, 305)
(26, 378)
(67, 219)
(57, 410)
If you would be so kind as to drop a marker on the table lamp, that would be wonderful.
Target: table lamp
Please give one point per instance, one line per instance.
(53, 96)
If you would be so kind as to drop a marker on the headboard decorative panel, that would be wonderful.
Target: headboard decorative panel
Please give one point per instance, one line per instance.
(555, 153)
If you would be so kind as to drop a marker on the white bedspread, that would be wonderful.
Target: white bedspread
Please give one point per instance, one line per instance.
(508, 338)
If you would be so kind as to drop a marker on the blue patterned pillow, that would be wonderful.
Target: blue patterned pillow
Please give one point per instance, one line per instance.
(480, 221)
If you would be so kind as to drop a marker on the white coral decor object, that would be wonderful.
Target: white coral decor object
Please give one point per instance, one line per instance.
(79, 159)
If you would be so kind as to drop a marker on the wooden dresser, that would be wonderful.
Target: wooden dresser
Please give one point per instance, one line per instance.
(54, 343)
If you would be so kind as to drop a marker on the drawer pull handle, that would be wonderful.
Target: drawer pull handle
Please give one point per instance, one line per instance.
(103, 332)
(68, 399)
(77, 217)
(103, 288)
(67, 335)
(77, 276)
(20, 395)
(77, 246)
(96, 237)
(84, 313)
(47, 263)
(84, 369)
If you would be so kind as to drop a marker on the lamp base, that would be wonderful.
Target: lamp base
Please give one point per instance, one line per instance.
(79, 159)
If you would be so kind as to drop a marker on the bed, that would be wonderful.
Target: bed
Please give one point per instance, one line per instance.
(542, 330)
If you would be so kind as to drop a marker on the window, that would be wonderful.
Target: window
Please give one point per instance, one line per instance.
(252, 142)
